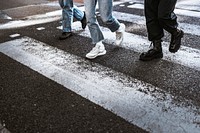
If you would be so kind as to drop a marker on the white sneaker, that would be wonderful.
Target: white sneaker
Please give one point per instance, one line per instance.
(98, 50)
(120, 34)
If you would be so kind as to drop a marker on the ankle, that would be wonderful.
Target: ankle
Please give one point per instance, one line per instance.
(157, 41)
(157, 46)
(177, 31)
(121, 28)
(99, 43)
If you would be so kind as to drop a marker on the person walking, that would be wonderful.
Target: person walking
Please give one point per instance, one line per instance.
(70, 11)
(160, 16)
(105, 10)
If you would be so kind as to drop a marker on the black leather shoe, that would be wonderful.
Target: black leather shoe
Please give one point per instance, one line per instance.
(154, 53)
(84, 21)
(150, 55)
(176, 41)
(65, 35)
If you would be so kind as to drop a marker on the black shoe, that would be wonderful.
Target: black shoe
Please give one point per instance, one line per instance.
(65, 35)
(150, 55)
(84, 21)
(176, 41)
(154, 53)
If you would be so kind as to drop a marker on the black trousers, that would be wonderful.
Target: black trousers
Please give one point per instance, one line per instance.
(160, 16)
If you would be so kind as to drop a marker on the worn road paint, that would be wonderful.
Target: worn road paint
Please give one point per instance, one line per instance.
(186, 56)
(110, 89)
(14, 35)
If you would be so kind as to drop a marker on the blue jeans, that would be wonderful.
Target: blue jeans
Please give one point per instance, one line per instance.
(69, 11)
(105, 10)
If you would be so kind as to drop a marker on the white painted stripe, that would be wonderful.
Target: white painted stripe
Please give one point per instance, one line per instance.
(184, 12)
(24, 23)
(131, 2)
(189, 5)
(56, 15)
(118, 92)
(53, 3)
(33, 20)
(40, 28)
(114, 4)
(136, 6)
(39, 19)
(187, 13)
(14, 35)
(121, 5)
(188, 28)
(186, 56)
(117, 3)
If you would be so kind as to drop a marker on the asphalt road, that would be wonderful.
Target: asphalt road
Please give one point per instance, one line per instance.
(6, 4)
(33, 103)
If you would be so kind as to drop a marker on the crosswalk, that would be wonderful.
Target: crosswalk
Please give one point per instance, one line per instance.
(187, 12)
(141, 103)
(186, 56)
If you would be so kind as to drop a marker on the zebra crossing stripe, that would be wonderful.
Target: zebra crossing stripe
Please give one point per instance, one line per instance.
(184, 12)
(56, 15)
(39, 19)
(186, 56)
(189, 5)
(33, 20)
(110, 89)
(187, 28)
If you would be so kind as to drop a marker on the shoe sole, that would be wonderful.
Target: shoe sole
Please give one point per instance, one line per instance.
(159, 56)
(60, 38)
(99, 54)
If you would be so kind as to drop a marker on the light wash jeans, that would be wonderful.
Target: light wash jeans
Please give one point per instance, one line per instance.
(69, 11)
(105, 10)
